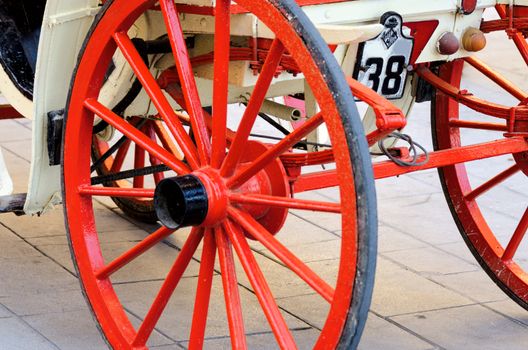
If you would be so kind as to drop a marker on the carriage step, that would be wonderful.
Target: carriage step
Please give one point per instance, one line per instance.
(13, 203)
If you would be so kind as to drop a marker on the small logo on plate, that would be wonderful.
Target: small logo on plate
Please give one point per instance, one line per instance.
(390, 34)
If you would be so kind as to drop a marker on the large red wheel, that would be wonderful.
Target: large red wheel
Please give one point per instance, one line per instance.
(487, 205)
(232, 191)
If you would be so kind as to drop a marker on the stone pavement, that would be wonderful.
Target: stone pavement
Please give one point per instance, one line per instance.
(429, 294)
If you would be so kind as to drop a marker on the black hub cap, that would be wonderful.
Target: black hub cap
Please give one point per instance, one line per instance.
(180, 201)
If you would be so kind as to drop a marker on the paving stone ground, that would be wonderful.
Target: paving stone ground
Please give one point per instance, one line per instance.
(429, 294)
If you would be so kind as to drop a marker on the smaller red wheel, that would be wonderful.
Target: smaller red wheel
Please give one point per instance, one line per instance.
(477, 198)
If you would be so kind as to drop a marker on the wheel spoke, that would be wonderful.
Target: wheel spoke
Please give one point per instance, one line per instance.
(153, 160)
(187, 81)
(486, 186)
(221, 80)
(253, 108)
(517, 237)
(116, 192)
(260, 286)
(136, 136)
(139, 162)
(285, 202)
(165, 139)
(497, 78)
(134, 253)
(203, 293)
(457, 123)
(119, 159)
(287, 257)
(168, 287)
(231, 294)
(275, 151)
(158, 98)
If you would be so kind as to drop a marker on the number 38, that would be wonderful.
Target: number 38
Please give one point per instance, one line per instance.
(393, 74)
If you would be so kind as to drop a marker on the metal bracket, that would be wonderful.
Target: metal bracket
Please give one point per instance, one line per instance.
(72, 16)
(55, 126)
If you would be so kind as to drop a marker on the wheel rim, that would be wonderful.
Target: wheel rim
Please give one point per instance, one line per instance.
(209, 162)
(464, 196)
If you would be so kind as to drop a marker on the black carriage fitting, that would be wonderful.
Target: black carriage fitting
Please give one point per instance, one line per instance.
(13, 203)
(424, 90)
(20, 22)
(181, 202)
(55, 126)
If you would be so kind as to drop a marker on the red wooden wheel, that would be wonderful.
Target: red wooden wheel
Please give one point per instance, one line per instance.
(240, 198)
(488, 212)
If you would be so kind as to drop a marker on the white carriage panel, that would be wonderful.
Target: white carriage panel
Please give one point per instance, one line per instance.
(370, 11)
(515, 2)
(461, 25)
(65, 25)
(15, 98)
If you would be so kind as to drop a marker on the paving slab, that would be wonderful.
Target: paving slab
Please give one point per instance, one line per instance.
(4, 312)
(510, 309)
(33, 275)
(400, 291)
(475, 285)
(381, 334)
(425, 217)
(393, 240)
(17, 335)
(470, 327)
(68, 330)
(430, 261)
(305, 340)
(176, 318)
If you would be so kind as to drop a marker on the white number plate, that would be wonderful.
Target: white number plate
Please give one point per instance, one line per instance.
(382, 62)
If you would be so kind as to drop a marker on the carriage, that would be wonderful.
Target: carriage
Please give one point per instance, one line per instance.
(217, 123)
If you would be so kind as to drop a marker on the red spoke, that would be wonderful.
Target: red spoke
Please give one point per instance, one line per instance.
(457, 123)
(166, 141)
(517, 237)
(275, 151)
(139, 163)
(253, 108)
(288, 258)
(168, 287)
(116, 192)
(134, 253)
(231, 295)
(203, 293)
(222, 49)
(285, 202)
(158, 98)
(158, 176)
(187, 81)
(136, 136)
(260, 286)
(497, 78)
(488, 185)
(120, 157)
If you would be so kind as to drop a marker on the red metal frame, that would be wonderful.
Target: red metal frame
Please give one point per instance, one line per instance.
(9, 112)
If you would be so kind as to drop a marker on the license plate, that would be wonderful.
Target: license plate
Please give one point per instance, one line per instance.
(382, 62)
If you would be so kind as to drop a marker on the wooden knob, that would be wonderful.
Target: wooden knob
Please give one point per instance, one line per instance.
(473, 40)
(448, 44)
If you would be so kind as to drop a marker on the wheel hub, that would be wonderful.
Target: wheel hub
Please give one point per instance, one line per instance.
(202, 198)
(181, 201)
